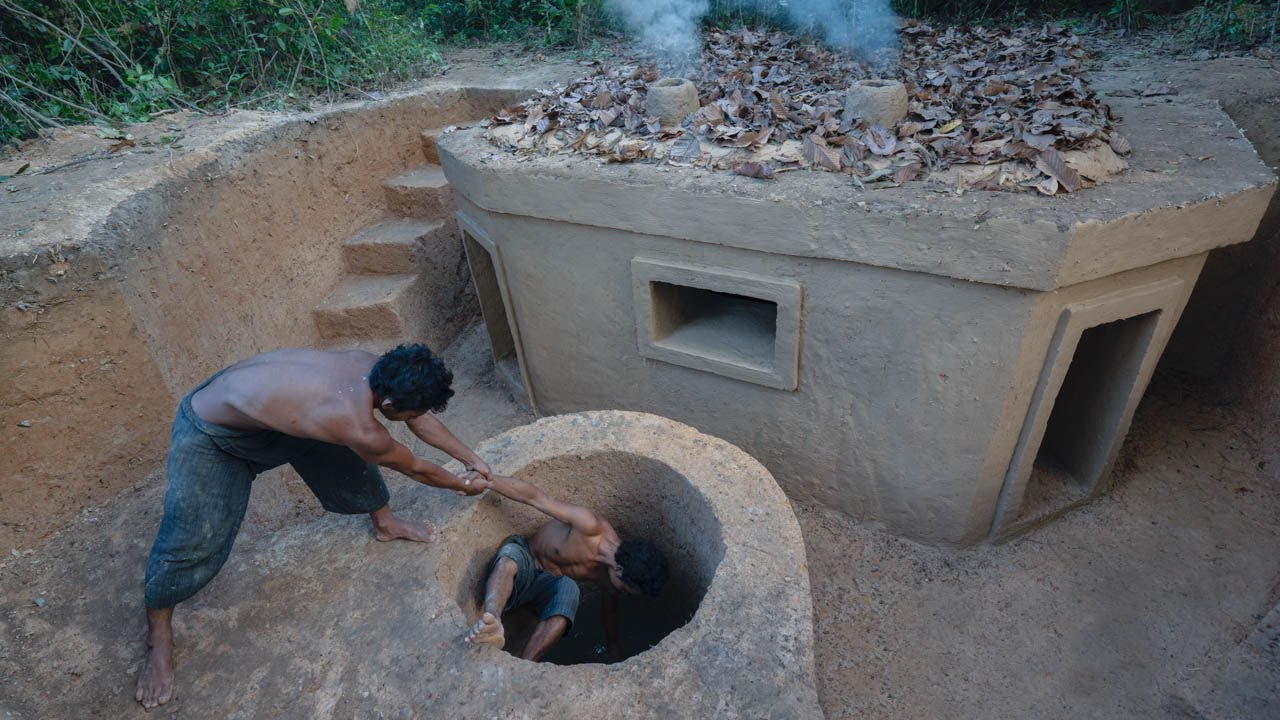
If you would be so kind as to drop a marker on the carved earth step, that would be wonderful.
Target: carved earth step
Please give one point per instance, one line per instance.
(391, 248)
(421, 192)
(367, 306)
(429, 151)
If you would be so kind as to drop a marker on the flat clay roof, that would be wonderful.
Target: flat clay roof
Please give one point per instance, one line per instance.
(1194, 183)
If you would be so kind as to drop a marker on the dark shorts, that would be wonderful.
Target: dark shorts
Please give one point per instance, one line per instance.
(210, 475)
(547, 594)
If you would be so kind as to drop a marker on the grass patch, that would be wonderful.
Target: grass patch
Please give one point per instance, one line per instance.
(117, 61)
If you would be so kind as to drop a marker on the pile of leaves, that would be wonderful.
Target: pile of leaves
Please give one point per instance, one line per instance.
(1009, 107)
(983, 96)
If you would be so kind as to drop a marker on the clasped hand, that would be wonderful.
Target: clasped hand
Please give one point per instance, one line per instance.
(473, 483)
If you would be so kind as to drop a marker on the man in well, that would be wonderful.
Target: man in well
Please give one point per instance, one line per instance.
(540, 571)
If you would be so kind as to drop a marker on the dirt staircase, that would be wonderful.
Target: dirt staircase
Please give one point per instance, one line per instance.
(399, 269)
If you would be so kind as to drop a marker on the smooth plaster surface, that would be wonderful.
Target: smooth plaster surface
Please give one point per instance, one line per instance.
(927, 343)
(915, 357)
(1168, 205)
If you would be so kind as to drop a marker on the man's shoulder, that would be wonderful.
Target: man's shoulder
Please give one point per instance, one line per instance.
(334, 357)
(602, 534)
(353, 353)
(302, 358)
(607, 532)
(328, 386)
(313, 353)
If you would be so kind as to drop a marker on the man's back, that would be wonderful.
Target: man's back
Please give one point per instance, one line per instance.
(562, 549)
(305, 393)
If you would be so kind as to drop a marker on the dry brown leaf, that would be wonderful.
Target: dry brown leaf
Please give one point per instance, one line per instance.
(686, 149)
(1096, 163)
(608, 116)
(976, 95)
(778, 106)
(754, 140)
(536, 113)
(1048, 186)
(760, 171)
(544, 124)
(817, 153)
(907, 173)
(1120, 144)
(880, 140)
(910, 128)
(1038, 141)
(1054, 164)
(989, 146)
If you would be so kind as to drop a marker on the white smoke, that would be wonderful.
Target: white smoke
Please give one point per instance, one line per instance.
(667, 28)
(866, 27)
(670, 29)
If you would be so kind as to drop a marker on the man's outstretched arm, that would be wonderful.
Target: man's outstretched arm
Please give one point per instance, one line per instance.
(582, 519)
(380, 448)
(431, 431)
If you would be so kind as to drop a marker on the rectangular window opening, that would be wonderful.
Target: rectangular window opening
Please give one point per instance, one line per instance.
(1087, 415)
(485, 275)
(720, 326)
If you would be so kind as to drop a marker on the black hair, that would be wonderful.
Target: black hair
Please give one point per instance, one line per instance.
(644, 567)
(413, 379)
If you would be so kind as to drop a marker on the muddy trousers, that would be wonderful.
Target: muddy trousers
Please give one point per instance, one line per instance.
(210, 475)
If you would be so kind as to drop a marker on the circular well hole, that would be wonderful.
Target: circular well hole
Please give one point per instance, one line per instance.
(643, 499)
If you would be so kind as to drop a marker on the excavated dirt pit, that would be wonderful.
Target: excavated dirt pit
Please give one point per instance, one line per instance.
(1134, 606)
(643, 499)
(249, 233)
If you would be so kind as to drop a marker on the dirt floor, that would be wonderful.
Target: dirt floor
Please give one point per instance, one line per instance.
(1105, 613)
(1114, 611)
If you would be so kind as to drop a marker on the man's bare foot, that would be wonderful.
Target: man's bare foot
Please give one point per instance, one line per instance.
(487, 631)
(387, 527)
(155, 684)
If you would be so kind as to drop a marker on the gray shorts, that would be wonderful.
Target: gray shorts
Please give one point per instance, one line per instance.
(547, 594)
(210, 474)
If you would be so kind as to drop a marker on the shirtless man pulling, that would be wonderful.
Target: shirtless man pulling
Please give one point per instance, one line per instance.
(313, 410)
(577, 544)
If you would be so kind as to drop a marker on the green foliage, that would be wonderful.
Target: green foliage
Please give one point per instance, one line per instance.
(70, 61)
(1234, 20)
(1231, 23)
(1129, 13)
(738, 13)
(66, 61)
(1218, 23)
(551, 23)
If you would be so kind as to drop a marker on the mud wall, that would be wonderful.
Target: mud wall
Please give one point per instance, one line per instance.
(83, 408)
(220, 259)
(940, 353)
(896, 397)
(231, 261)
(1227, 347)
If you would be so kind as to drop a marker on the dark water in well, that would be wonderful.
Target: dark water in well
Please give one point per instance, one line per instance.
(642, 623)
